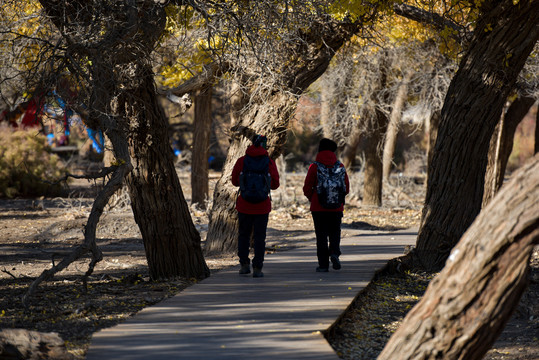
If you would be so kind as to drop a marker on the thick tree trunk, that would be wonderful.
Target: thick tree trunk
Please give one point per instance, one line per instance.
(467, 306)
(472, 108)
(123, 103)
(501, 145)
(171, 240)
(201, 147)
(374, 139)
(270, 119)
(393, 126)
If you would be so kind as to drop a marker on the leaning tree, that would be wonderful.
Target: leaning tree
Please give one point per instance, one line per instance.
(466, 307)
(104, 48)
(504, 36)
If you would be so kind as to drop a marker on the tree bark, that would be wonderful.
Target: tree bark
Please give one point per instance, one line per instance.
(393, 126)
(501, 145)
(201, 147)
(171, 241)
(374, 142)
(537, 130)
(372, 190)
(472, 108)
(466, 307)
(432, 132)
(350, 149)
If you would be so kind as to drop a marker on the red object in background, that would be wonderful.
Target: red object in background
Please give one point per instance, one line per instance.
(33, 113)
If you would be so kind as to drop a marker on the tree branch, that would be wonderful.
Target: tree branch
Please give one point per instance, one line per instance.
(438, 22)
(89, 244)
(206, 78)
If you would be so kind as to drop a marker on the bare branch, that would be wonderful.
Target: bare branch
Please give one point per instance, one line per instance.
(433, 19)
(89, 244)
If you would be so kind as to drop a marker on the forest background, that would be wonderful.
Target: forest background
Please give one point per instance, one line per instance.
(365, 65)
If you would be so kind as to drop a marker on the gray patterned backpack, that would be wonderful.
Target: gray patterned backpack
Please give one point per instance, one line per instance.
(331, 187)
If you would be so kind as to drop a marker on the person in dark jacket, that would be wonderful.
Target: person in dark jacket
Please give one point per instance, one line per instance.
(253, 217)
(327, 222)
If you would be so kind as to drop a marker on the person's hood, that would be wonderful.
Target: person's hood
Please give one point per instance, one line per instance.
(256, 151)
(326, 157)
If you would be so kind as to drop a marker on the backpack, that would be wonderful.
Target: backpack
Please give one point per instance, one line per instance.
(255, 179)
(331, 187)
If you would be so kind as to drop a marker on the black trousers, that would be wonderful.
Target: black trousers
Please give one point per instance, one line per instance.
(256, 224)
(327, 227)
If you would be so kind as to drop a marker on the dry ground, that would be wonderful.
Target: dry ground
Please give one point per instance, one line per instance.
(35, 232)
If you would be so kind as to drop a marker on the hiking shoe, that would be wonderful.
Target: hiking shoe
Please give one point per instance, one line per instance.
(257, 273)
(336, 262)
(321, 269)
(245, 269)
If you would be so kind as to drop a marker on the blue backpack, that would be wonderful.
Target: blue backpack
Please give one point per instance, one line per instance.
(331, 187)
(255, 179)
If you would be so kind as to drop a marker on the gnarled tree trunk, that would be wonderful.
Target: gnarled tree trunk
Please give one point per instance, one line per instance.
(269, 113)
(467, 305)
(123, 103)
(469, 116)
(171, 241)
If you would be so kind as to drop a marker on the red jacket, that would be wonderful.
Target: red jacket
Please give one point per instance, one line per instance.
(242, 205)
(327, 158)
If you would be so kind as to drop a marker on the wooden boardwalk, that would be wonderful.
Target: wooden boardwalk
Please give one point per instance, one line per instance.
(281, 316)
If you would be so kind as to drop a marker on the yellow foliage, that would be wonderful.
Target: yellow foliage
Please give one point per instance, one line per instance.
(186, 62)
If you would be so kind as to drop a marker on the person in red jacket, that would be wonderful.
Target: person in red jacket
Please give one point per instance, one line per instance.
(253, 217)
(327, 222)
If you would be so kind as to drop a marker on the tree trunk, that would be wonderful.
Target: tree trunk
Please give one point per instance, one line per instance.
(469, 116)
(372, 191)
(536, 130)
(374, 142)
(432, 133)
(268, 118)
(350, 149)
(393, 126)
(501, 145)
(123, 103)
(171, 240)
(467, 306)
(201, 147)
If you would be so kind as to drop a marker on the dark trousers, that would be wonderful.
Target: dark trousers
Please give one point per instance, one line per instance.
(327, 226)
(256, 224)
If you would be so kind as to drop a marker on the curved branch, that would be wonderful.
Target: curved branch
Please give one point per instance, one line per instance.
(89, 244)
(433, 19)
